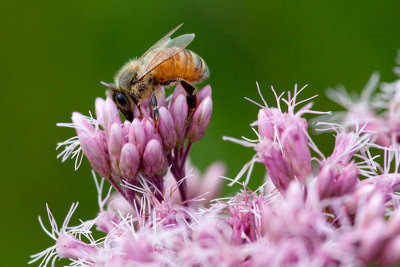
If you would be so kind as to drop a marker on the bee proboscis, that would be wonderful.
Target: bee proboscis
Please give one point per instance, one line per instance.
(166, 63)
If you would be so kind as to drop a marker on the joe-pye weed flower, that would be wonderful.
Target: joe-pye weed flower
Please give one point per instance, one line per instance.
(311, 209)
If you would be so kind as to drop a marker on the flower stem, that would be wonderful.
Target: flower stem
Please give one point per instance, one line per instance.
(118, 188)
(176, 163)
(189, 145)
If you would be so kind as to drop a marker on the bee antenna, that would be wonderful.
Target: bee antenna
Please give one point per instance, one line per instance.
(107, 84)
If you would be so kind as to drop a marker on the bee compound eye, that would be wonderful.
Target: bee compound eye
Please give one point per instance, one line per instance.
(121, 99)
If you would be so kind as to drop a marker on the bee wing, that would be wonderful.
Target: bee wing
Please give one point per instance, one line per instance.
(162, 51)
(161, 42)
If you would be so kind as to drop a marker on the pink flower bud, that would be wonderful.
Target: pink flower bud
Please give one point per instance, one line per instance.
(179, 90)
(362, 193)
(326, 181)
(295, 146)
(115, 142)
(149, 130)
(203, 93)
(342, 143)
(347, 180)
(99, 107)
(117, 204)
(96, 154)
(390, 255)
(125, 128)
(138, 249)
(129, 161)
(372, 241)
(106, 221)
(70, 247)
(179, 112)
(394, 224)
(267, 118)
(137, 136)
(335, 180)
(110, 115)
(370, 210)
(380, 129)
(81, 124)
(166, 128)
(200, 120)
(277, 166)
(145, 110)
(153, 158)
(272, 227)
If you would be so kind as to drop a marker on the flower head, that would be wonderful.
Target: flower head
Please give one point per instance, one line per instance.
(120, 151)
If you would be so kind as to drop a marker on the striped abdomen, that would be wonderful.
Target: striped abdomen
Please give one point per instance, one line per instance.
(185, 65)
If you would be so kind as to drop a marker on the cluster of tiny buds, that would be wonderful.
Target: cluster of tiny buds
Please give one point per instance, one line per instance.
(119, 149)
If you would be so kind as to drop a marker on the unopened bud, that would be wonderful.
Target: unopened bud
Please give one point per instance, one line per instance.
(200, 120)
(179, 112)
(110, 115)
(203, 93)
(115, 142)
(70, 247)
(99, 107)
(166, 128)
(326, 181)
(266, 124)
(342, 142)
(295, 146)
(153, 158)
(106, 221)
(347, 180)
(81, 124)
(390, 255)
(277, 166)
(150, 130)
(137, 136)
(96, 154)
(129, 161)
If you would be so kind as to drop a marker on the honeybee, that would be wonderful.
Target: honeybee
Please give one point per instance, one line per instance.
(166, 63)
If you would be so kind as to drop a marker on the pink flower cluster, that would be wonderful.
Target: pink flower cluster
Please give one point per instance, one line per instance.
(126, 152)
(312, 210)
(379, 113)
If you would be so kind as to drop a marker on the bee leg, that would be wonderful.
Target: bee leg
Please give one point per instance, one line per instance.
(156, 115)
(190, 98)
(140, 111)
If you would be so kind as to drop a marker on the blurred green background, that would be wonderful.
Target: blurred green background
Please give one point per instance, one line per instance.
(54, 53)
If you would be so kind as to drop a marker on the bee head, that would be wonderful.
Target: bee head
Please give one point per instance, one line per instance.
(126, 76)
(124, 101)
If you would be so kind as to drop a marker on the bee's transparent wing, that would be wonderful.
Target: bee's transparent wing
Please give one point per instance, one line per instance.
(162, 41)
(162, 51)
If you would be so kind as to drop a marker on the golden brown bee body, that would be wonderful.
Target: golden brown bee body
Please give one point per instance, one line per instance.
(185, 65)
(167, 62)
